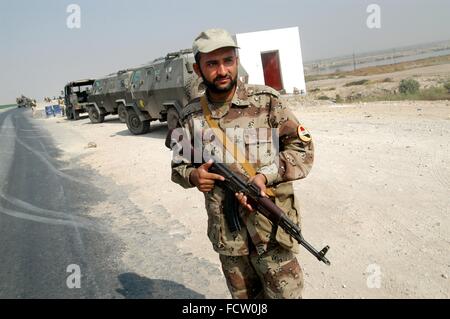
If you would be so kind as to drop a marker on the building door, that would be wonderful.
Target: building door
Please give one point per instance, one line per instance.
(272, 69)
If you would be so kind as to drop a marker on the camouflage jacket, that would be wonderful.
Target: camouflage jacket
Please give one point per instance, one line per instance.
(253, 107)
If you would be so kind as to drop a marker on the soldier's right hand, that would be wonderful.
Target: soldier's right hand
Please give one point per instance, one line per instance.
(202, 179)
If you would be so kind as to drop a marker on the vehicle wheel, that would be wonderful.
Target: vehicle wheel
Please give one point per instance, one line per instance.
(173, 119)
(69, 113)
(94, 116)
(135, 125)
(75, 115)
(122, 111)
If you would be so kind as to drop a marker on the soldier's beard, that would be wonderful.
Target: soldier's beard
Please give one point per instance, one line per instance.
(213, 88)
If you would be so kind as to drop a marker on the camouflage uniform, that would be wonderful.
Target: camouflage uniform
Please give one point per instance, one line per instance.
(258, 251)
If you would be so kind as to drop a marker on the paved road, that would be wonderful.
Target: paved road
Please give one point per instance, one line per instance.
(45, 236)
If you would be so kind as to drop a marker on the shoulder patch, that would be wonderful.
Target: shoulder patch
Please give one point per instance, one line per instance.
(261, 89)
(193, 107)
(303, 134)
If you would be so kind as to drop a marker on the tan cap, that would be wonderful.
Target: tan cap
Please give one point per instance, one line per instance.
(211, 40)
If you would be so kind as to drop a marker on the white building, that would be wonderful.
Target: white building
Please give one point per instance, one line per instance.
(273, 58)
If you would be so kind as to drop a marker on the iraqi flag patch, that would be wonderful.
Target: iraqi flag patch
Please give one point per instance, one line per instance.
(303, 134)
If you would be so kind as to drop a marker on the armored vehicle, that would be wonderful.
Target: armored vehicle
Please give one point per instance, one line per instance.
(160, 89)
(76, 97)
(110, 95)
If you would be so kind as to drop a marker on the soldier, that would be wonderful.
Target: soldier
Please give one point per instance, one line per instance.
(257, 260)
(33, 107)
(61, 105)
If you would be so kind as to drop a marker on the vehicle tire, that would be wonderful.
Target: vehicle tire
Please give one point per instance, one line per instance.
(75, 115)
(122, 111)
(94, 116)
(69, 113)
(134, 123)
(173, 119)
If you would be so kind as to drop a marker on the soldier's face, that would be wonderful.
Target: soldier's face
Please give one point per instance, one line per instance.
(219, 70)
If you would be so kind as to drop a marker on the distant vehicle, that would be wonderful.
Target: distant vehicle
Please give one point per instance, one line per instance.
(76, 97)
(24, 101)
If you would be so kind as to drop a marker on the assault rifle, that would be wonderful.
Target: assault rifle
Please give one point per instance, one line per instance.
(261, 204)
(267, 208)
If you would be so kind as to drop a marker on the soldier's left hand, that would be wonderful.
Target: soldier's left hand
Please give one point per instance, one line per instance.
(260, 181)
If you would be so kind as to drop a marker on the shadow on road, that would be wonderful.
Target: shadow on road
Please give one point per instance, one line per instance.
(138, 287)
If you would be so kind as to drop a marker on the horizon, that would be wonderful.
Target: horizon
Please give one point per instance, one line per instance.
(304, 62)
(40, 53)
(369, 53)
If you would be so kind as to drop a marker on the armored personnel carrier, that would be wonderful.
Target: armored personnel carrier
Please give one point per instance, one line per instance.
(162, 88)
(110, 95)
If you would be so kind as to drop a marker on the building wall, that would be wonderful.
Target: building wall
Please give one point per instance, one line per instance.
(287, 42)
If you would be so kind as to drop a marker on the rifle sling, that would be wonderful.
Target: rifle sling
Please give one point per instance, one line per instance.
(229, 146)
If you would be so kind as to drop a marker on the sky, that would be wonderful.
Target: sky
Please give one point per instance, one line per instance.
(39, 54)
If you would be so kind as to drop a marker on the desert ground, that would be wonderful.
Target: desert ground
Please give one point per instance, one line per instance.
(378, 194)
(377, 83)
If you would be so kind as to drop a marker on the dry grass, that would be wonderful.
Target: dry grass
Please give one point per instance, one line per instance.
(429, 94)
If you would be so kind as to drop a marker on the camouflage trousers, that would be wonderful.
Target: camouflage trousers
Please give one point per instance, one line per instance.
(276, 274)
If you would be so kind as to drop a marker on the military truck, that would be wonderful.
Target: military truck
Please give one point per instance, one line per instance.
(76, 95)
(110, 95)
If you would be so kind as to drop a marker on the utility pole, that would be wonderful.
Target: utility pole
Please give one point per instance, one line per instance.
(354, 61)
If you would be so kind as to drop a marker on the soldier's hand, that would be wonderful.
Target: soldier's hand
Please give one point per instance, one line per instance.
(202, 179)
(260, 181)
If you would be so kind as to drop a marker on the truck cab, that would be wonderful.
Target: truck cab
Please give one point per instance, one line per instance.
(76, 95)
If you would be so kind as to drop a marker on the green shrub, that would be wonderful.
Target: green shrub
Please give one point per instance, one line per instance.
(433, 93)
(429, 94)
(447, 86)
(408, 86)
(323, 97)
